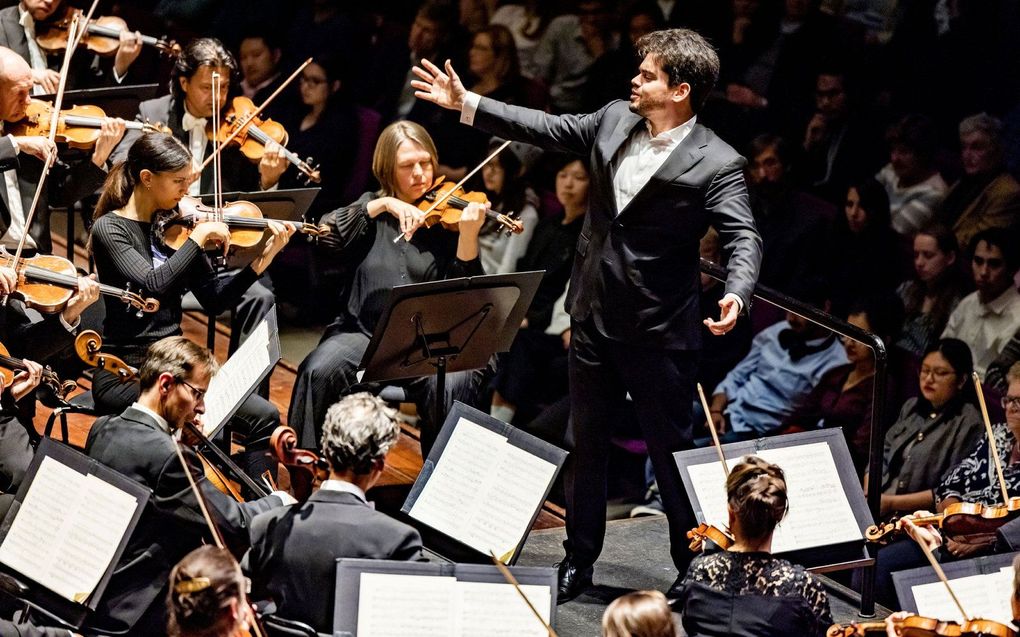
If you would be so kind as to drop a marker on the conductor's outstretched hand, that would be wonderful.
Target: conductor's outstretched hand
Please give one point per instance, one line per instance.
(439, 86)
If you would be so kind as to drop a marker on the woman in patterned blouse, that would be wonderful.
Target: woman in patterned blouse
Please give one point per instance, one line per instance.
(745, 590)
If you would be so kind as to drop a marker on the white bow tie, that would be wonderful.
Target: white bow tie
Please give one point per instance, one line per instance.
(190, 122)
(27, 21)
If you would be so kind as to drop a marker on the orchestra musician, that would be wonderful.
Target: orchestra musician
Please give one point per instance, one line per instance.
(173, 380)
(659, 179)
(745, 591)
(21, 159)
(294, 549)
(206, 596)
(127, 251)
(362, 235)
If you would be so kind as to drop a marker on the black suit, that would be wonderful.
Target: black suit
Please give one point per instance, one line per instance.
(171, 525)
(294, 551)
(633, 297)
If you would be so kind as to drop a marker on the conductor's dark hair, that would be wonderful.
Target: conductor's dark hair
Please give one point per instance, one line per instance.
(756, 492)
(685, 56)
(198, 53)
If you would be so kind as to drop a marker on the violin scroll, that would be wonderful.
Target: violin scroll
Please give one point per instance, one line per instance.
(703, 532)
(88, 346)
(306, 469)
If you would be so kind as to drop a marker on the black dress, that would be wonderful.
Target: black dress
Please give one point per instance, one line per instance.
(752, 595)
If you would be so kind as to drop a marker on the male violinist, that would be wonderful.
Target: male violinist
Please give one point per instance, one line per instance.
(138, 443)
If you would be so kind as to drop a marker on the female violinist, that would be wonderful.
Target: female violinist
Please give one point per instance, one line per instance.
(207, 596)
(362, 237)
(745, 591)
(154, 178)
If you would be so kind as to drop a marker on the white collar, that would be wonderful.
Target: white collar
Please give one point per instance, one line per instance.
(189, 121)
(25, 18)
(673, 136)
(345, 487)
(161, 421)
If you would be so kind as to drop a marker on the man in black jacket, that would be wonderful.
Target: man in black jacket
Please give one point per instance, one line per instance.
(139, 444)
(659, 179)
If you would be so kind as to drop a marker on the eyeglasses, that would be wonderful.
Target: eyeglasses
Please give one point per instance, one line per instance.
(1011, 401)
(198, 394)
(937, 374)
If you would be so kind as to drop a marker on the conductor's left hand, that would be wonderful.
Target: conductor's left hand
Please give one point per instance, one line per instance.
(438, 86)
(727, 318)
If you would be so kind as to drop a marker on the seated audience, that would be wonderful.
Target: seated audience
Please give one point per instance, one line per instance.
(986, 196)
(527, 22)
(207, 596)
(564, 54)
(615, 67)
(1009, 355)
(934, 291)
(638, 614)
(744, 591)
(496, 70)
(914, 186)
(259, 58)
(293, 552)
(509, 193)
(986, 318)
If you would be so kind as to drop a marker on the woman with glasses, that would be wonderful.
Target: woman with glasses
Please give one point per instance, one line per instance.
(933, 433)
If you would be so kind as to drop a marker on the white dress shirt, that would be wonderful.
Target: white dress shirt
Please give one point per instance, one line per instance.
(641, 156)
(16, 229)
(195, 127)
(36, 57)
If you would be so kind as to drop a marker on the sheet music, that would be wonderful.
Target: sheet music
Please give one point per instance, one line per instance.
(396, 605)
(484, 491)
(236, 377)
(83, 519)
(819, 514)
(982, 596)
(399, 605)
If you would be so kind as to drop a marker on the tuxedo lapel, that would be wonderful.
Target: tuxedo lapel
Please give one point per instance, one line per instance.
(685, 156)
(621, 132)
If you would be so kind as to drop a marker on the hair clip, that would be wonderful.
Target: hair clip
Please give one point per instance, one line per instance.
(192, 585)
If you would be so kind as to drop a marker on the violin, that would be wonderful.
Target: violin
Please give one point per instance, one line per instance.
(245, 220)
(102, 35)
(961, 518)
(78, 126)
(47, 282)
(703, 532)
(307, 470)
(10, 366)
(217, 472)
(918, 626)
(255, 133)
(88, 345)
(448, 212)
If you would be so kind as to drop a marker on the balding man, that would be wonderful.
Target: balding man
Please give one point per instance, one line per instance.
(21, 160)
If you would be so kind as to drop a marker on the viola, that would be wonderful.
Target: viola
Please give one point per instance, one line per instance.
(243, 218)
(306, 469)
(217, 473)
(961, 518)
(10, 366)
(102, 35)
(88, 345)
(703, 532)
(78, 126)
(918, 626)
(47, 282)
(449, 210)
(255, 133)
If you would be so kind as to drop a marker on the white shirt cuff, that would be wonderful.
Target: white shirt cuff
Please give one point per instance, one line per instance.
(285, 497)
(467, 112)
(119, 79)
(14, 142)
(68, 326)
(740, 304)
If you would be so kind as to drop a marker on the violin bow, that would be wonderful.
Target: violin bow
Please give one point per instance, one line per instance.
(74, 35)
(942, 576)
(441, 199)
(258, 111)
(509, 577)
(711, 428)
(991, 437)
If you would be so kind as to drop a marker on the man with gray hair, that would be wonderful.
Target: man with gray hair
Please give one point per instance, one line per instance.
(986, 196)
(294, 550)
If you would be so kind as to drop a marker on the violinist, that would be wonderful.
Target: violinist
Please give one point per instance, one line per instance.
(294, 549)
(127, 252)
(18, 30)
(174, 378)
(744, 590)
(21, 160)
(362, 235)
(207, 596)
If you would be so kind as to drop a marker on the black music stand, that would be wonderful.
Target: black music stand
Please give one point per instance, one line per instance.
(116, 101)
(447, 326)
(286, 205)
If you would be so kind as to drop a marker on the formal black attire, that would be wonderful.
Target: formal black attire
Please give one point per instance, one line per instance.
(294, 549)
(633, 297)
(171, 526)
(752, 595)
(126, 252)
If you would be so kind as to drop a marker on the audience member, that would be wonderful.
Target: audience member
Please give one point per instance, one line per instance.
(493, 62)
(527, 22)
(615, 67)
(509, 193)
(914, 186)
(986, 318)
(207, 596)
(986, 196)
(1010, 354)
(259, 58)
(638, 614)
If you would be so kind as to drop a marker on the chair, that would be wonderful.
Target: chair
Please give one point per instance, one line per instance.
(81, 404)
(279, 627)
(191, 304)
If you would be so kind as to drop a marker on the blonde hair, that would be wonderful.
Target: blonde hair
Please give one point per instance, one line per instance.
(639, 614)
(384, 160)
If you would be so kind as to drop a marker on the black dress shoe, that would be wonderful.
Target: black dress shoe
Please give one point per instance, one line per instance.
(573, 580)
(673, 593)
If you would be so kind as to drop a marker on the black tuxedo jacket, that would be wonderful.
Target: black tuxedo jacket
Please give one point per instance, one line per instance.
(239, 174)
(294, 551)
(636, 270)
(171, 525)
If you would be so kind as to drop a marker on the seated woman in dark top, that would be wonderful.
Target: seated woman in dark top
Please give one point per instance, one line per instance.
(129, 253)
(745, 591)
(362, 235)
